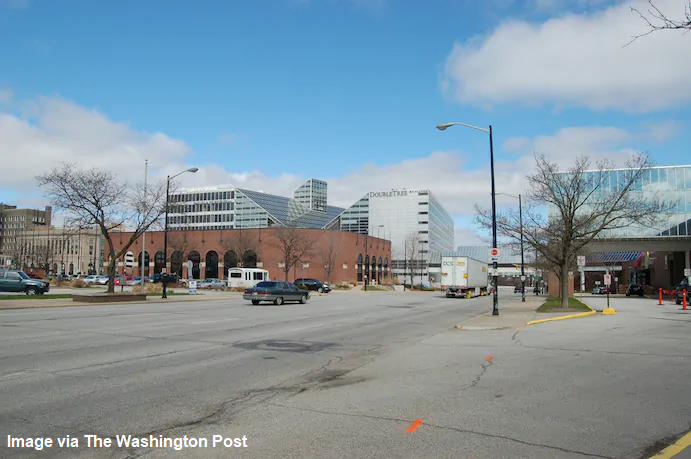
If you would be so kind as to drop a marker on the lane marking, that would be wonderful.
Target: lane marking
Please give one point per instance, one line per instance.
(413, 427)
(675, 448)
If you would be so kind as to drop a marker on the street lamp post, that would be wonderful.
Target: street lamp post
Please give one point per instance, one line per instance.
(495, 267)
(520, 219)
(165, 230)
(141, 270)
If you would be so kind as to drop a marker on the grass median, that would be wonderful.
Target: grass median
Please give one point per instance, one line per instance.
(554, 305)
(59, 296)
(376, 288)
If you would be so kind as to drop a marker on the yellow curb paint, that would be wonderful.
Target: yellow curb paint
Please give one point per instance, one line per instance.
(608, 312)
(675, 448)
(572, 316)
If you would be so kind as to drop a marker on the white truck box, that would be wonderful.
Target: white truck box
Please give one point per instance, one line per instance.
(464, 276)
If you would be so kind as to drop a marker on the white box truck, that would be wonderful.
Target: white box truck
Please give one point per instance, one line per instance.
(464, 276)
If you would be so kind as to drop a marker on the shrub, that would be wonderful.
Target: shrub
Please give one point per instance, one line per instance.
(150, 288)
(78, 283)
(343, 286)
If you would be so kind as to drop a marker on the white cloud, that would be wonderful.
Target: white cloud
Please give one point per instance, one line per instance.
(466, 235)
(55, 130)
(597, 142)
(575, 60)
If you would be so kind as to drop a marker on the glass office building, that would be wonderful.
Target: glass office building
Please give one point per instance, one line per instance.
(670, 184)
(405, 215)
(228, 207)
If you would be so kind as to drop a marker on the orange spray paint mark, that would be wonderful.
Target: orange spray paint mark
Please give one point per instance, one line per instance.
(489, 357)
(413, 427)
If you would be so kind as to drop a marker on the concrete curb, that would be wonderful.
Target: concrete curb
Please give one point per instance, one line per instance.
(69, 303)
(571, 316)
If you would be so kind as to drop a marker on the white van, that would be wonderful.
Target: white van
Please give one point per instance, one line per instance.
(246, 277)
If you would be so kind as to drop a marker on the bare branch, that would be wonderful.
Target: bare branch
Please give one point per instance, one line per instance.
(295, 246)
(240, 242)
(582, 205)
(329, 250)
(657, 20)
(97, 198)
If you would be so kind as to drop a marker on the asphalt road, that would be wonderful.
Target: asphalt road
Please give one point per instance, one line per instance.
(346, 375)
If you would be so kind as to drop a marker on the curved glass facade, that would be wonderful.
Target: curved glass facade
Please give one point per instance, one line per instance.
(670, 184)
(229, 207)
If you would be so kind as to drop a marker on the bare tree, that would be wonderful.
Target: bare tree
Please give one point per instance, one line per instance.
(412, 255)
(328, 252)
(96, 197)
(582, 205)
(239, 241)
(657, 20)
(183, 242)
(295, 246)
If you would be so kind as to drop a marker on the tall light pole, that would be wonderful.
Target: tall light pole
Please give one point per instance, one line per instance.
(520, 219)
(495, 267)
(141, 271)
(165, 230)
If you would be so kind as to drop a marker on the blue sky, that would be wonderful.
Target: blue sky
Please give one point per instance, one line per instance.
(267, 94)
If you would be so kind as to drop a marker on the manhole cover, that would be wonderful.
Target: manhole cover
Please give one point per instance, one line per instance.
(285, 346)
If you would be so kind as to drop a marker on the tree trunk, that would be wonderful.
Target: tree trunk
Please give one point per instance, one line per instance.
(564, 286)
(111, 274)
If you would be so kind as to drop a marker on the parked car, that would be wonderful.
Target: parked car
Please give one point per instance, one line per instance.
(518, 289)
(91, 279)
(313, 285)
(134, 281)
(602, 290)
(20, 282)
(102, 280)
(275, 291)
(170, 278)
(679, 293)
(211, 283)
(123, 280)
(634, 289)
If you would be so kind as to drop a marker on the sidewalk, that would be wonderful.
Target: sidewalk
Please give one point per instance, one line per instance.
(68, 302)
(513, 313)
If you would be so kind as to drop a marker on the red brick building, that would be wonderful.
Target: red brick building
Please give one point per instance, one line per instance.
(335, 256)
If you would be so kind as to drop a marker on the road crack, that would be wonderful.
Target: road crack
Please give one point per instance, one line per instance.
(477, 379)
(436, 426)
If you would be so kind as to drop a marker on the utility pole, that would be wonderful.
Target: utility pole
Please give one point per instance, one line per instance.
(520, 218)
(141, 271)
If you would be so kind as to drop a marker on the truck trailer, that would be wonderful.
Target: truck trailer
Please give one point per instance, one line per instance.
(464, 276)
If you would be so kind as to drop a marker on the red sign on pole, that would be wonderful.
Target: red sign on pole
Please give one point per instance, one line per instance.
(495, 252)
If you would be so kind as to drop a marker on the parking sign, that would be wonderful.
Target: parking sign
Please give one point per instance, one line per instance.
(608, 279)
